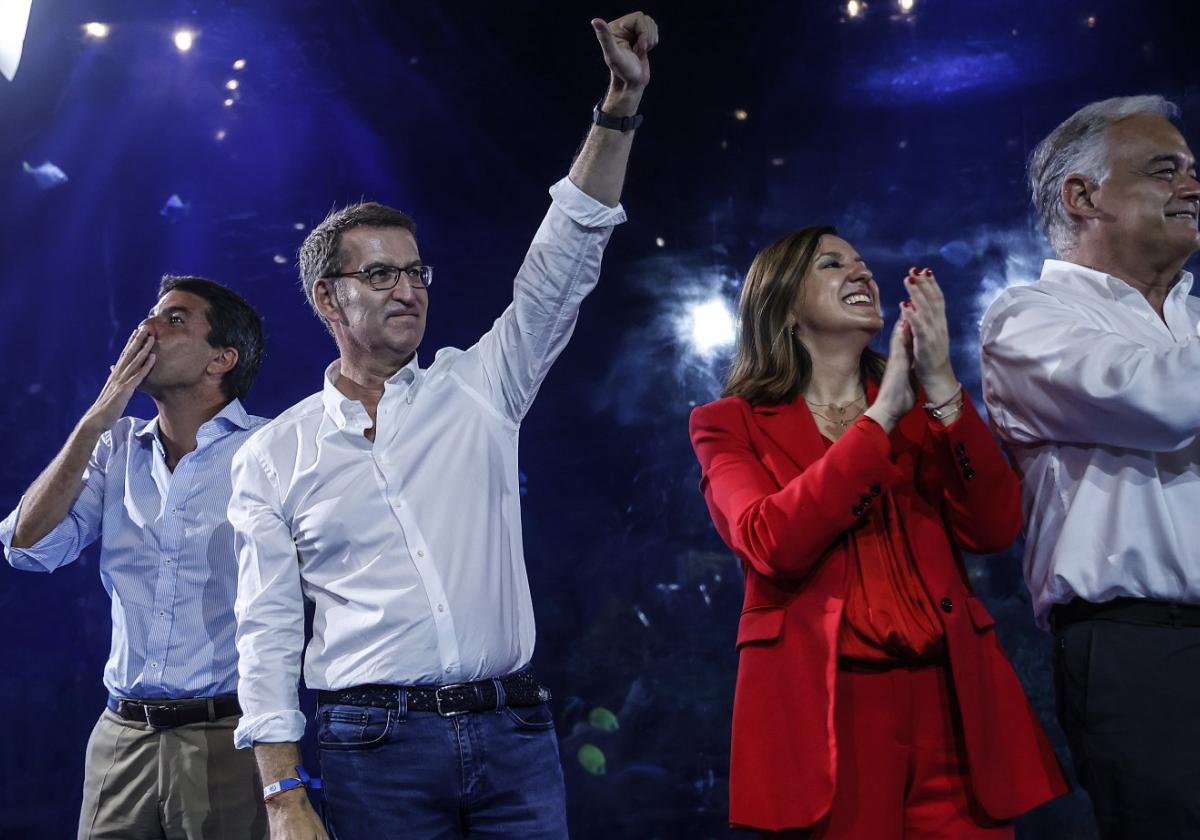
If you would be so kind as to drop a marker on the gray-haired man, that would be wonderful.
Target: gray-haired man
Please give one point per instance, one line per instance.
(1091, 376)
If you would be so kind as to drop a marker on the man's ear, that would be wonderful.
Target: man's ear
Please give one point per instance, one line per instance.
(225, 361)
(325, 299)
(1078, 196)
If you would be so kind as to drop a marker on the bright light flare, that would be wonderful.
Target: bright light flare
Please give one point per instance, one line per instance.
(14, 21)
(741, 115)
(184, 39)
(232, 84)
(854, 8)
(906, 6)
(95, 29)
(228, 103)
(712, 325)
(240, 64)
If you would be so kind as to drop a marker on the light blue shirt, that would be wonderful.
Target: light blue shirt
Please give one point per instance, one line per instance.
(167, 558)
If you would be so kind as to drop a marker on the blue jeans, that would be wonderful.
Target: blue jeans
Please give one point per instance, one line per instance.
(392, 773)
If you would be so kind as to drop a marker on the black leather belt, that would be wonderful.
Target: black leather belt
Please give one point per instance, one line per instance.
(1129, 610)
(165, 714)
(520, 689)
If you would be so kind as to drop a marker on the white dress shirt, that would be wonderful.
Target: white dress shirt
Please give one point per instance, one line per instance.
(166, 555)
(410, 547)
(1098, 400)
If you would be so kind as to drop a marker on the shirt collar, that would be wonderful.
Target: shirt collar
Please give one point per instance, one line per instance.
(233, 416)
(345, 411)
(1107, 284)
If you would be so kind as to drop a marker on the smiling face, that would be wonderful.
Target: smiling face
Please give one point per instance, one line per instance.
(838, 294)
(1148, 203)
(383, 326)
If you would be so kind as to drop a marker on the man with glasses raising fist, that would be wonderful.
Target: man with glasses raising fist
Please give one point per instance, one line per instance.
(390, 499)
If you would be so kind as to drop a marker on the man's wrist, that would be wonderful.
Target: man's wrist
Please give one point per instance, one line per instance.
(296, 797)
(621, 103)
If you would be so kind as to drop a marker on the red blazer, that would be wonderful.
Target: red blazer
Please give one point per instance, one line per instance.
(783, 503)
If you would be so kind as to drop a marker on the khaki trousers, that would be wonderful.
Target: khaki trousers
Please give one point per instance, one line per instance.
(188, 783)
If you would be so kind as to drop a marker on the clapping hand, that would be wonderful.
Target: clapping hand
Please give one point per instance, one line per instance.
(925, 312)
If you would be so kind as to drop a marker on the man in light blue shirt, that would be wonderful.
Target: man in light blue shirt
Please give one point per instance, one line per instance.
(160, 761)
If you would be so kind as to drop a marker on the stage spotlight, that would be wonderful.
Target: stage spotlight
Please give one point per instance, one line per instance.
(14, 20)
(228, 103)
(184, 39)
(660, 242)
(95, 29)
(240, 64)
(1091, 21)
(232, 84)
(712, 325)
(854, 8)
(906, 6)
(741, 115)
(220, 134)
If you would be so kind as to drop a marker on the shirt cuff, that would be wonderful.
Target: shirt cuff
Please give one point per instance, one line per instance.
(29, 559)
(584, 209)
(272, 728)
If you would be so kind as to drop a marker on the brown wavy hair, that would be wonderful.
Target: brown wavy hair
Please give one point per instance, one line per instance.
(771, 365)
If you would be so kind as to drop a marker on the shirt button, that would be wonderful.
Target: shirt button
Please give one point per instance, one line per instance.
(420, 553)
(153, 664)
(447, 669)
(947, 605)
(162, 614)
(441, 607)
(168, 561)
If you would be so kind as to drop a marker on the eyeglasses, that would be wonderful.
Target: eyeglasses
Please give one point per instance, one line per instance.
(384, 277)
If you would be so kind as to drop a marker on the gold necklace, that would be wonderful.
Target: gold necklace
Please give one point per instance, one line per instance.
(841, 421)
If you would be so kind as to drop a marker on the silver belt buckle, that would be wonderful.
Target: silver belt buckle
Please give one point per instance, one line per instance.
(149, 709)
(437, 699)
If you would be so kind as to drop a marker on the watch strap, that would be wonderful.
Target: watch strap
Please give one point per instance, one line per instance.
(616, 123)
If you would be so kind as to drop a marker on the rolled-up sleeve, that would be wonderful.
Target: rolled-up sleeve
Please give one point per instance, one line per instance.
(269, 607)
(78, 529)
(561, 267)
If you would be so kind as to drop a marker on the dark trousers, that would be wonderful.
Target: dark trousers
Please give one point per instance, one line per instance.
(399, 774)
(1129, 701)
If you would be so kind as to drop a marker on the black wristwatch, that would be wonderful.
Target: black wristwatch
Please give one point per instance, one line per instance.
(616, 123)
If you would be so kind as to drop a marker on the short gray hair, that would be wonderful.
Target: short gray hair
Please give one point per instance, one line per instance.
(321, 253)
(1079, 145)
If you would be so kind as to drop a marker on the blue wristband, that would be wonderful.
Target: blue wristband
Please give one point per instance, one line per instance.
(284, 785)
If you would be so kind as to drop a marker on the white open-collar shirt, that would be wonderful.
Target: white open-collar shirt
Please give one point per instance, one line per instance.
(410, 547)
(1098, 400)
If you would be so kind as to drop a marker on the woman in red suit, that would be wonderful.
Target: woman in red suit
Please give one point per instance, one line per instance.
(873, 700)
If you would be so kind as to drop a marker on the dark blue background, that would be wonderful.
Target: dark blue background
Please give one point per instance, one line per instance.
(908, 132)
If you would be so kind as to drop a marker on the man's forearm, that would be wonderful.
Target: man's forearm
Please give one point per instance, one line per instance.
(599, 169)
(49, 498)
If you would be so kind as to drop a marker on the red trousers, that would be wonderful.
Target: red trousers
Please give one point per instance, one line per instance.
(901, 765)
